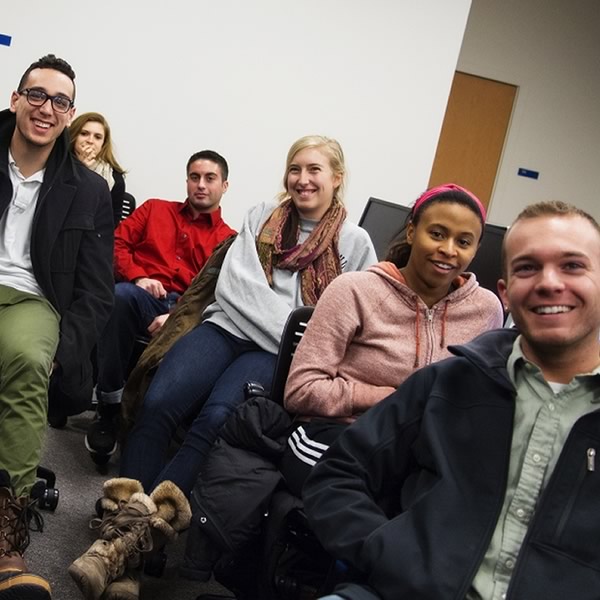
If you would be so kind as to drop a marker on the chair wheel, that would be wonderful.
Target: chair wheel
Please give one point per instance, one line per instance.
(49, 499)
(155, 563)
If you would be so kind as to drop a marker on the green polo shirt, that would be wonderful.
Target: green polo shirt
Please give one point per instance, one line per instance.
(544, 415)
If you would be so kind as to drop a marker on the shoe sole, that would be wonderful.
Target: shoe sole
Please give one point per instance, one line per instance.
(25, 586)
(86, 587)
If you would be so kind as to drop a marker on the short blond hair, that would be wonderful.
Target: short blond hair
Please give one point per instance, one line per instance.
(550, 208)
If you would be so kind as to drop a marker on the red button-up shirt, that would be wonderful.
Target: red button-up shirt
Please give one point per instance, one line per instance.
(163, 241)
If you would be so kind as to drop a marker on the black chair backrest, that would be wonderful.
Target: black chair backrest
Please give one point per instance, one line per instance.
(128, 205)
(292, 334)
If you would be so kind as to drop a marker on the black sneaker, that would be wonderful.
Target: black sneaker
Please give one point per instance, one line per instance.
(101, 437)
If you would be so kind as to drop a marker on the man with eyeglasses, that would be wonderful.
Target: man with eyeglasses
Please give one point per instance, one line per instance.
(56, 290)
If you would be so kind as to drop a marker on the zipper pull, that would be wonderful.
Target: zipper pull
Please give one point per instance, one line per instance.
(591, 459)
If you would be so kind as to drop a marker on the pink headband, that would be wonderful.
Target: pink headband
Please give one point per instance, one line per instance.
(447, 187)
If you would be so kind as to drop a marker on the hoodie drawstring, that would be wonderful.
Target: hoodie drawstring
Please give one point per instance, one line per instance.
(443, 338)
(417, 334)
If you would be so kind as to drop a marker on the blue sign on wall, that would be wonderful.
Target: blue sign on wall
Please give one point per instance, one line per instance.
(5, 40)
(528, 173)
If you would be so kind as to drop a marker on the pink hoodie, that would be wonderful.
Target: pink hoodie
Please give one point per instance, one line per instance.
(370, 331)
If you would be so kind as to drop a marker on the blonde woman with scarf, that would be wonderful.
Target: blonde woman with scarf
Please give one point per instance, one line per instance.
(285, 255)
(91, 143)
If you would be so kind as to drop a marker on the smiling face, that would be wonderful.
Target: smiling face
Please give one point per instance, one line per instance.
(90, 140)
(38, 127)
(443, 244)
(205, 186)
(552, 286)
(311, 182)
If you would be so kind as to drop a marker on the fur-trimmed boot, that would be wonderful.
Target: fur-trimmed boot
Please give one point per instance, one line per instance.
(173, 513)
(116, 494)
(125, 536)
(16, 583)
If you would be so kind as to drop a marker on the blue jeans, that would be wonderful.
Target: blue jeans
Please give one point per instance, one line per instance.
(134, 310)
(201, 379)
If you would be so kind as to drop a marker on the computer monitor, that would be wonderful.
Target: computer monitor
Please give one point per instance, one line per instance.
(382, 220)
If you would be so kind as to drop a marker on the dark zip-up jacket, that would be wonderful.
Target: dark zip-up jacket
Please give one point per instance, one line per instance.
(71, 253)
(411, 493)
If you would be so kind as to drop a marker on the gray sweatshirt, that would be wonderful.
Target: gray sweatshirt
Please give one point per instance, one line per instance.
(246, 306)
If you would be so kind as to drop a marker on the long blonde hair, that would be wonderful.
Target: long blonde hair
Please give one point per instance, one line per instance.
(106, 152)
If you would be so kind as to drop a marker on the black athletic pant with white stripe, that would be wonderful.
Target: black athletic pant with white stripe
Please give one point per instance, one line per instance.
(305, 446)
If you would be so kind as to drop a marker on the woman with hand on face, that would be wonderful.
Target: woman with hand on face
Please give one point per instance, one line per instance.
(371, 330)
(91, 142)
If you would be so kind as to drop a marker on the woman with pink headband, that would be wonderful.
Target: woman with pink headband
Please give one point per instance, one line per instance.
(371, 330)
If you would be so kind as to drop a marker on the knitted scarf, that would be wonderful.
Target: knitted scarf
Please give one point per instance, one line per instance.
(317, 259)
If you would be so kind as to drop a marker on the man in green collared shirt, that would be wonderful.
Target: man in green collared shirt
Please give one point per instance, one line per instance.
(517, 517)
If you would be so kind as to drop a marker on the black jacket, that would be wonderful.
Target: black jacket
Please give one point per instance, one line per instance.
(71, 253)
(233, 490)
(411, 493)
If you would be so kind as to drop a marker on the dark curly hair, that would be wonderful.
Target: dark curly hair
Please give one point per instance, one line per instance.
(50, 61)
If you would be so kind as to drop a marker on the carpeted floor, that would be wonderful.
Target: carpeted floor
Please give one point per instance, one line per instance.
(66, 533)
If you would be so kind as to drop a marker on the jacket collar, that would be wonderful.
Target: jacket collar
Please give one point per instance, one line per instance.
(490, 351)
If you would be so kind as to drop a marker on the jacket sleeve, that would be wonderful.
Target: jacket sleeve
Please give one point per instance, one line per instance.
(127, 235)
(368, 463)
(314, 386)
(356, 248)
(243, 291)
(83, 320)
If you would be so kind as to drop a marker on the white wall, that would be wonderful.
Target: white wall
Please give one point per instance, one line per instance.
(248, 77)
(551, 50)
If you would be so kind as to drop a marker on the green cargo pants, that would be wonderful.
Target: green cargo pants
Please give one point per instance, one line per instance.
(29, 327)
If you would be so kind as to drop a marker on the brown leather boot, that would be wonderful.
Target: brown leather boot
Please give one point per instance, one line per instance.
(16, 582)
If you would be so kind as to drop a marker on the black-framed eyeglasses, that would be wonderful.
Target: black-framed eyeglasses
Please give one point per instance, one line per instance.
(60, 104)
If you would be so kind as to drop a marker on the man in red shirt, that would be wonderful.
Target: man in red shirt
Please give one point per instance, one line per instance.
(158, 251)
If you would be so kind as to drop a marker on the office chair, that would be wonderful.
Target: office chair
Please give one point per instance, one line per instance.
(45, 492)
(293, 331)
(128, 205)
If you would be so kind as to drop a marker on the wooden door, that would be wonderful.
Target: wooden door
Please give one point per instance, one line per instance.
(473, 133)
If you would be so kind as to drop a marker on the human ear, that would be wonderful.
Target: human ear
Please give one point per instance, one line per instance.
(502, 291)
(410, 234)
